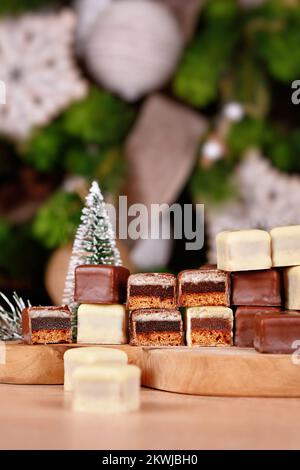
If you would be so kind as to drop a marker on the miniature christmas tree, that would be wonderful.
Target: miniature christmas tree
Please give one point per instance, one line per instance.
(94, 242)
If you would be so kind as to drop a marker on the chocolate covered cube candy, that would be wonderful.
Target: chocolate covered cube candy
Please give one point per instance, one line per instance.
(286, 245)
(100, 284)
(151, 290)
(102, 324)
(209, 326)
(292, 288)
(43, 325)
(277, 334)
(243, 250)
(256, 288)
(205, 286)
(244, 321)
(156, 327)
(106, 389)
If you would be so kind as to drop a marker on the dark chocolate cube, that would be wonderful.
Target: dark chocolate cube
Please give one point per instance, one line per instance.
(245, 324)
(277, 334)
(256, 288)
(101, 284)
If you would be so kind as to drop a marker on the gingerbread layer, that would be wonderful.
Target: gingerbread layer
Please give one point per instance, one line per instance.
(143, 302)
(204, 337)
(157, 338)
(209, 299)
(51, 336)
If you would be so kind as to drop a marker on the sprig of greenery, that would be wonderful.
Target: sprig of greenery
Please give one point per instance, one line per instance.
(198, 76)
(57, 220)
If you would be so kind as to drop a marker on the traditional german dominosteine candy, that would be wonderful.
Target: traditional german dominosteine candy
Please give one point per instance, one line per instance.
(156, 327)
(151, 290)
(101, 291)
(101, 284)
(286, 245)
(102, 324)
(205, 286)
(44, 325)
(244, 250)
(244, 321)
(256, 288)
(106, 389)
(292, 288)
(78, 357)
(209, 326)
(277, 334)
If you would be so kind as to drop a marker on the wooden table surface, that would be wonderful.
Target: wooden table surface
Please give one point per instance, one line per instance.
(39, 417)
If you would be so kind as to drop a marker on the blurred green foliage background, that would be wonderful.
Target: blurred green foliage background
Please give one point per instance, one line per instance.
(248, 55)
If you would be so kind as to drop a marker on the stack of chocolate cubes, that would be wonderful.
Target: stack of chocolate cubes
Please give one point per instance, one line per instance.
(100, 291)
(154, 318)
(205, 295)
(266, 315)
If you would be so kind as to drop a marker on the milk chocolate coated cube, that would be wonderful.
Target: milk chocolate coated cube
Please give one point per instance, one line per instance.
(245, 324)
(100, 284)
(277, 334)
(256, 288)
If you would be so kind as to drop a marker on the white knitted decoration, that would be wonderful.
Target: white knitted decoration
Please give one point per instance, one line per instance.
(37, 66)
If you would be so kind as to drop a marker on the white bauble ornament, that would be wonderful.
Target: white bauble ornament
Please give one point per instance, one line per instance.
(87, 14)
(133, 47)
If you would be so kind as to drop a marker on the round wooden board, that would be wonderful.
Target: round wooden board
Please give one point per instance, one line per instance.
(202, 371)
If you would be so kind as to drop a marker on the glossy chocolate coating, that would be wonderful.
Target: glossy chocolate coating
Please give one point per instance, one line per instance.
(245, 324)
(256, 288)
(277, 333)
(101, 284)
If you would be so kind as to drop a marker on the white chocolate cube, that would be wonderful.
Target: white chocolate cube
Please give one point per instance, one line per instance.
(102, 324)
(286, 245)
(243, 250)
(106, 389)
(292, 288)
(77, 357)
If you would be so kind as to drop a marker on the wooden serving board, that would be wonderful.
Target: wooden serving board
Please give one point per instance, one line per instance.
(202, 371)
